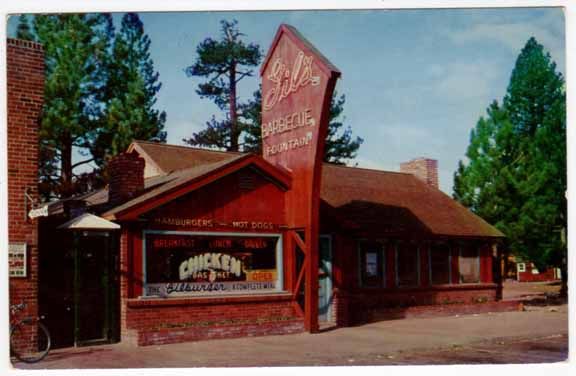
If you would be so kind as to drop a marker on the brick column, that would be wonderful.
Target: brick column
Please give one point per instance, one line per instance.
(25, 79)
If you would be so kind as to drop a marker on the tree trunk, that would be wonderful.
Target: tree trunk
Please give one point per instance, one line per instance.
(66, 174)
(233, 118)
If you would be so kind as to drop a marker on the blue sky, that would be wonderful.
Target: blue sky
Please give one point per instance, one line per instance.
(416, 81)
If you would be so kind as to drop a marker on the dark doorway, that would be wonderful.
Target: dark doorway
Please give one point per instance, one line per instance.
(325, 278)
(94, 288)
(78, 286)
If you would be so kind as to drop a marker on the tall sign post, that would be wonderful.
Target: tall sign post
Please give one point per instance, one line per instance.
(297, 87)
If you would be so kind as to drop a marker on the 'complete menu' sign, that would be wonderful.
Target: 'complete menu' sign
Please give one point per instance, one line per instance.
(184, 264)
(17, 259)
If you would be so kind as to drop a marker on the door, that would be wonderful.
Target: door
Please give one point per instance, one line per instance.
(94, 289)
(325, 278)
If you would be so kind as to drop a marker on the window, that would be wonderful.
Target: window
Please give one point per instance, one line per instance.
(371, 264)
(440, 264)
(469, 264)
(521, 267)
(407, 265)
(187, 264)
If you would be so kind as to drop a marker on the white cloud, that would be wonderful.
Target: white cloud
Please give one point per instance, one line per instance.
(412, 140)
(515, 35)
(177, 130)
(463, 81)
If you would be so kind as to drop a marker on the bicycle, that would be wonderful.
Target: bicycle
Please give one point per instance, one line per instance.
(20, 331)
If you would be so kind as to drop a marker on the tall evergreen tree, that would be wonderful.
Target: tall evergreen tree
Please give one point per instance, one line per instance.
(223, 63)
(129, 95)
(100, 92)
(515, 176)
(74, 46)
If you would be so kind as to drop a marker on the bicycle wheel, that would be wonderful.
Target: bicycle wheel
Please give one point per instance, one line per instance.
(22, 344)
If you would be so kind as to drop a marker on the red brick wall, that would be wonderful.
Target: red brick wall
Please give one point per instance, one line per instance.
(354, 304)
(157, 321)
(424, 169)
(126, 176)
(367, 304)
(25, 71)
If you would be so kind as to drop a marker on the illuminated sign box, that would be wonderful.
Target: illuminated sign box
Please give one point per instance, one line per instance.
(188, 264)
(17, 259)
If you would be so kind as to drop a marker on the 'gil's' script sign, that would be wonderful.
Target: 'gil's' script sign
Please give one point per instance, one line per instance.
(288, 81)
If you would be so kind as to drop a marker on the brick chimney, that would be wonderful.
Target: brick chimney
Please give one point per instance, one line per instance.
(126, 177)
(425, 169)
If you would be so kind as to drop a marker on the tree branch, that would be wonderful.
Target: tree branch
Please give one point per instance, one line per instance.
(242, 75)
(81, 163)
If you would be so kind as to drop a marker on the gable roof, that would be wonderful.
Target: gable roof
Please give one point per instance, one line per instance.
(349, 188)
(168, 158)
(180, 182)
(355, 193)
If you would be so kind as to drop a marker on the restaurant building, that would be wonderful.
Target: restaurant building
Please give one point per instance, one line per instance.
(188, 244)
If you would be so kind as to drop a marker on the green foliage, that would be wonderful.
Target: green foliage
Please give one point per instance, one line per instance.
(99, 94)
(74, 46)
(129, 94)
(515, 174)
(223, 63)
(339, 143)
(220, 62)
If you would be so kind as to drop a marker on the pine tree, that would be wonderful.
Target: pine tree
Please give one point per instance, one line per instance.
(99, 95)
(129, 94)
(74, 45)
(224, 63)
(515, 176)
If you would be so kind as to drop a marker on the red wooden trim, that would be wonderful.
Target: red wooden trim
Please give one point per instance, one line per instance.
(300, 278)
(133, 212)
(206, 300)
(299, 242)
(390, 265)
(137, 267)
(298, 309)
(455, 254)
(424, 264)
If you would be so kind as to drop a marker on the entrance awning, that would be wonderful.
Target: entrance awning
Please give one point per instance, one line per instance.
(89, 221)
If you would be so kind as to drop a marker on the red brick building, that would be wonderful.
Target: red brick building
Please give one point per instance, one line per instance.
(387, 241)
(186, 244)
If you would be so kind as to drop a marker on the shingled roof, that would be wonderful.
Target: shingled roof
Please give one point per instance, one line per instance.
(168, 158)
(403, 195)
(354, 192)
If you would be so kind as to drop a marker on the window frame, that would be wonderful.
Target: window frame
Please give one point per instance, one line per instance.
(381, 252)
(521, 267)
(478, 265)
(279, 261)
(418, 267)
(450, 247)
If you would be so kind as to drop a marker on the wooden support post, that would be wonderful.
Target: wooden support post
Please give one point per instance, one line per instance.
(311, 288)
